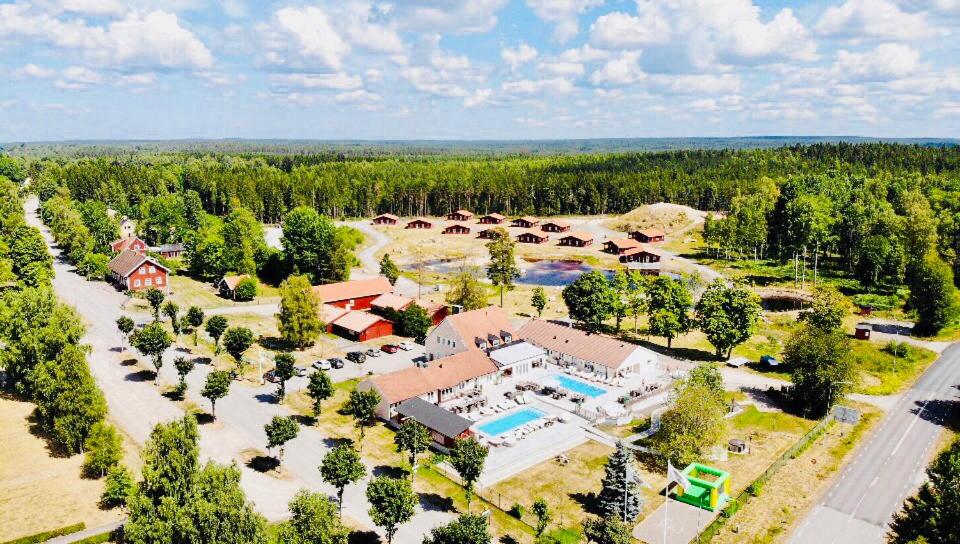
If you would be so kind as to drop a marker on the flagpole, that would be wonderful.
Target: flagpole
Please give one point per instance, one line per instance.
(666, 505)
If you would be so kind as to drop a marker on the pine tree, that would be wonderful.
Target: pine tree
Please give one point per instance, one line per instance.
(619, 487)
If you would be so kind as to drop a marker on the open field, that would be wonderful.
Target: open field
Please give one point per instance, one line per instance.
(673, 219)
(39, 489)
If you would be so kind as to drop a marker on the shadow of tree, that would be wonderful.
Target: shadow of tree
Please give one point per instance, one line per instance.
(141, 376)
(306, 421)
(693, 354)
(587, 501)
(274, 343)
(333, 442)
(940, 412)
(389, 470)
(54, 447)
(266, 398)
(263, 463)
(433, 502)
(128, 362)
(363, 537)
(204, 418)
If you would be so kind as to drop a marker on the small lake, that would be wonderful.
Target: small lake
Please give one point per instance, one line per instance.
(554, 272)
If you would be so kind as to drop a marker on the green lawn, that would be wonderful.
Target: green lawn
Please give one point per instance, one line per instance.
(752, 419)
(884, 374)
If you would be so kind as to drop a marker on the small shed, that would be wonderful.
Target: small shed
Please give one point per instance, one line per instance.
(862, 331)
(419, 223)
(737, 446)
(769, 360)
(362, 326)
(386, 219)
(493, 219)
(169, 251)
(129, 243)
(532, 237)
(525, 222)
(228, 285)
(460, 215)
(457, 228)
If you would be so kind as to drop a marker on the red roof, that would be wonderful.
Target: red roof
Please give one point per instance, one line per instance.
(124, 243)
(358, 322)
(464, 213)
(347, 290)
(127, 261)
(641, 249)
(651, 232)
(624, 243)
(579, 235)
(557, 222)
(442, 373)
(389, 216)
(392, 301)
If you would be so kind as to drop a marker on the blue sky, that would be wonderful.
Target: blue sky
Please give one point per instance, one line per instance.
(477, 69)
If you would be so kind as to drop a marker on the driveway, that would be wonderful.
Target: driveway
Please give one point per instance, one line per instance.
(136, 405)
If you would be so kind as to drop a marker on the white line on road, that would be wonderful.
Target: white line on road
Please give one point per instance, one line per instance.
(912, 423)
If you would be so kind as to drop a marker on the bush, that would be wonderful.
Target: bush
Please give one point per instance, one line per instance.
(246, 289)
(117, 487)
(516, 510)
(755, 488)
(103, 449)
(93, 266)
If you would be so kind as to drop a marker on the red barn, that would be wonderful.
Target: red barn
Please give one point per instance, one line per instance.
(457, 228)
(648, 235)
(136, 272)
(460, 215)
(525, 222)
(419, 223)
(362, 326)
(134, 244)
(386, 219)
(493, 219)
(555, 226)
(532, 237)
(354, 294)
(577, 239)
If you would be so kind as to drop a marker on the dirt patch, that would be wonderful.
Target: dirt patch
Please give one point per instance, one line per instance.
(40, 492)
(671, 218)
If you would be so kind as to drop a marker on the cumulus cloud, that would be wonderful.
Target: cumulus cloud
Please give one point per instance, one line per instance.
(623, 70)
(309, 32)
(700, 83)
(873, 19)
(564, 14)
(78, 77)
(339, 81)
(32, 71)
(433, 82)
(562, 68)
(473, 16)
(556, 85)
(618, 30)
(883, 63)
(521, 54)
(479, 98)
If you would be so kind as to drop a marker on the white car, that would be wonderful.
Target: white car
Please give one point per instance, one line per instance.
(405, 346)
(322, 364)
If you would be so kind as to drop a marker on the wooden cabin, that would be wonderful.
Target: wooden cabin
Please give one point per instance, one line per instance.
(457, 228)
(648, 235)
(577, 239)
(386, 219)
(532, 237)
(556, 225)
(492, 219)
(419, 223)
(525, 222)
(460, 215)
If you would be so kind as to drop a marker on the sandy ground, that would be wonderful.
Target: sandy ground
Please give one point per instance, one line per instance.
(41, 491)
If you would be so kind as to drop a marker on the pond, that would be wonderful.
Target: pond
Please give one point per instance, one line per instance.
(554, 272)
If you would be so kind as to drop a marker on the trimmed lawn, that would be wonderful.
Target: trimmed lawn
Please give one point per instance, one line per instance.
(187, 292)
(884, 374)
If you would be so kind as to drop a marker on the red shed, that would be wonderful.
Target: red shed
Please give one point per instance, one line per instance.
(577, 239)
(134, 244)
(862, 331)
(457, 228)
(386, 219)
(525, 222)
(620, 246)
(136, 272)
(354, 294)
(640, 254)
(419, 223)
(362, 326)
(532, 237)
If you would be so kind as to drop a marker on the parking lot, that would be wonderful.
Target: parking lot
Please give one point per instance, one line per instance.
(385, 362)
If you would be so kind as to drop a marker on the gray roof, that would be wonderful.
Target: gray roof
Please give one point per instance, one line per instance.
(434, 417)
(167, 247)
(513, 353)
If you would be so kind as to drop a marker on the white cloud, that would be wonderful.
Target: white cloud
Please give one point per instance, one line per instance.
(141, 79)
(32, 71)
(885, 62)
(446, 61)
(700, 83)
(361, 98)
(519, 55)
(479, 98)
(530, 122)
(432, 82)
(873, 19)
(235, 9)
(618, 30)
(470, 16)
(339, 81)
(93, 7)
(557, 85)
(78, 77)
(313, 35)
(623, 70)
(561, 68)
(359, 23)
(564, 14)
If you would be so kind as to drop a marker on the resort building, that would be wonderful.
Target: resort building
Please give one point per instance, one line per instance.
(648, 235)
(525, 222)
(643, 259)
(557, 225)
(493, 219)
(620, 246)
(228, 285)
(386, 219)
(441, 381)
(476, 330)
(460, 215)
(131, 243)
(136, 272)
(419, 223)
(532, 237)
(329, 314)
(594, 353)
(577, 239)
(519, 358)
(445, 426)
(354, 294)
(390, 302)
(362, 326)
(457, 228)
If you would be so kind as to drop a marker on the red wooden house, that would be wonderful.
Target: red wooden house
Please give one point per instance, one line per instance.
(460, 215)
(491, 233)
(532, 237)
(362, 326)
(648, 235)
(386, 219)
(577, 239)
(492, 219)
(136, 272)
(640, 254)
(353, 294)
(620, 246)
(457, 228)
(133, 243)
(556, 225)
(525, 222)
(419, 223)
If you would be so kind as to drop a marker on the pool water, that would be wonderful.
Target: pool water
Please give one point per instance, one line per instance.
(510, 422)
(577, 386)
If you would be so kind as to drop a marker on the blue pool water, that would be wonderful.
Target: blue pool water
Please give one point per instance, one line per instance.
(510, 422)
(578, 386)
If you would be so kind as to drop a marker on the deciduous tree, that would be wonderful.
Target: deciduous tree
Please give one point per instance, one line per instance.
(589, 300)
(236, 341)
(155, 298)
(466, 291)
(341, 467)
(932, 295)
(728, 316)
(362, 405)
(299, 318)
(152, 341)
(320, 388)
(821, 368)
(415, 323)
(388, 269)
(502, 270)
(283, 369)
(467, 457)
(313, 520)
(932, 515)
(539, 300)
(413, 438)
(668, 305)
(216, 387)
(279, 431)
(392, 503)
(194, 320)
(104, 449)
(215, 327)
(607, 530)
(466, 529)
(125, 326)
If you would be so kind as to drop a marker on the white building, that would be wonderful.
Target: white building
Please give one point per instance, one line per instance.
(518, 358)
(483, 329)
(597, 353)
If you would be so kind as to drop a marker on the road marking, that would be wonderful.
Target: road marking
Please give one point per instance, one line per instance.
(912, 423)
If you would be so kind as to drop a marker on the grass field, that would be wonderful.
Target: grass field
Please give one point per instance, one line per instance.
(39, 489)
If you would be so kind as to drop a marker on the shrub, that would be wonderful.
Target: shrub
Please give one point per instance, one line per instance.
(117, 487)
(93, 266)
(246, 289)
(516, 510)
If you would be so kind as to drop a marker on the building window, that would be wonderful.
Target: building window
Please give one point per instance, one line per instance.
(136, 283)
(143, 270)
(148, 282)
(153, 270)
(160, 280)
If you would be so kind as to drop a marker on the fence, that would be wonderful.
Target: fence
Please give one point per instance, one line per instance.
(754, 488)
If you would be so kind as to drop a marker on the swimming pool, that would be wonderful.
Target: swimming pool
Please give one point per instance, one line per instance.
(510, 422)
(578, 386)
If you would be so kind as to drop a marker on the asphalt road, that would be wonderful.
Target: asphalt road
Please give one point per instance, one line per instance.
(890, 466)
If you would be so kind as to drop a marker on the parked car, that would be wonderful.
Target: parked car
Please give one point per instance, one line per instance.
(389, 348)
(336, 362)
(299, 371)
(357, 357)
(770, 361)
(271, 377)
(372, 353)
(405, 346)
(322, 364)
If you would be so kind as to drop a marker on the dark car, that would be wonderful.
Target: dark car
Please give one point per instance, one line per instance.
(389, 348)
(271, 377)
(372, 353)
(357, 357)
(336, 362)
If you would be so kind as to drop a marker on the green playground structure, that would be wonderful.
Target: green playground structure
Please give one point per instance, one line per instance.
(709, 487)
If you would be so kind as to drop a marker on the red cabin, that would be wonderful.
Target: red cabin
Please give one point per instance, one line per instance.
(648, 235)
(386, 219)
(457, 228)
(460, 215)
(492, 219)
(525, 222)
(354, 294)
(577, 239)
(133, 243)
(137, 272)
(419, 223)
(532, 237)
(555, 226)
